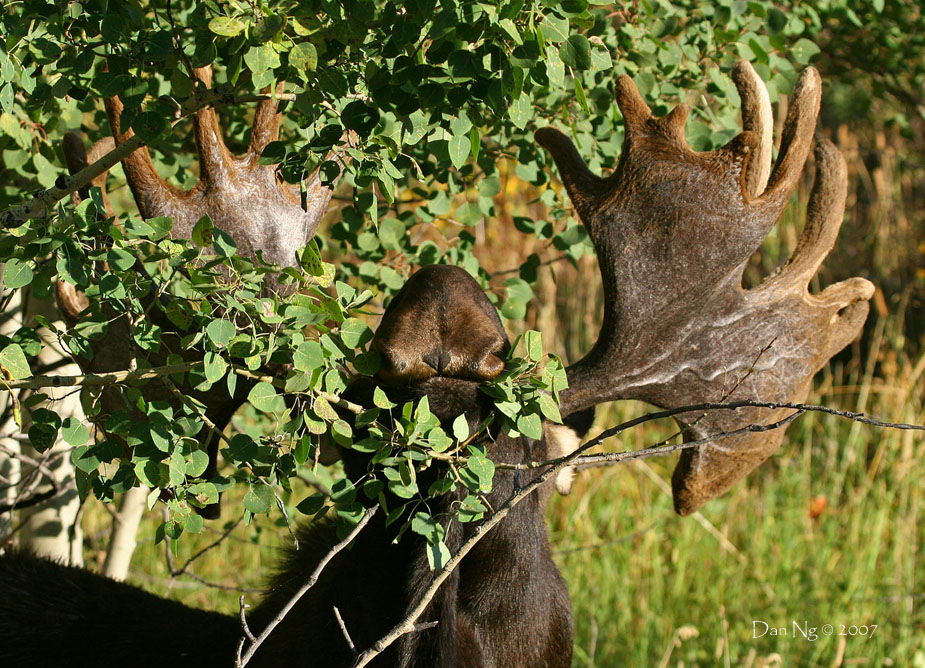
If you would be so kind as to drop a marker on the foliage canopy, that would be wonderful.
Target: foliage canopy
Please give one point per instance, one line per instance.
(429, 105)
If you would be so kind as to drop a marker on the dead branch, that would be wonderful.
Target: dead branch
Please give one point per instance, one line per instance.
(98, 379)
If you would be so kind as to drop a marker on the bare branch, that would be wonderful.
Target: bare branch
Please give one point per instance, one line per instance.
(98, 379)
(280, 384)
(241, 661)
(247, 630)
(343, 629)
(663, 448)
(38, 467)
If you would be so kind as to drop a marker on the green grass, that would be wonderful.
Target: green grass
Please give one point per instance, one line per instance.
(641, 578)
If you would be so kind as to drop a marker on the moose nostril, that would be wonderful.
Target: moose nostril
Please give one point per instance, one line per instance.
(435, 360)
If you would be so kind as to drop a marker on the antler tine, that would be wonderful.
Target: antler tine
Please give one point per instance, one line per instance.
(634, 109)
(796, 141)
(582, 186)
(757, 118)
(824, 215)
(148, 188)
(266, 122)
(214, 156)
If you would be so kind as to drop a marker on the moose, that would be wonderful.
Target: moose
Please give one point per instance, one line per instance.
(673, 230)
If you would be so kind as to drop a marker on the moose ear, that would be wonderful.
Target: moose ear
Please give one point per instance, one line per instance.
(440, 323)
(673, 232)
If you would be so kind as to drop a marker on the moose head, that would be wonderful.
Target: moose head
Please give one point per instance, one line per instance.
(673, 230)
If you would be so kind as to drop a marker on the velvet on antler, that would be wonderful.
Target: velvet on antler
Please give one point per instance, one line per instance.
(673, 230)
(243, 197)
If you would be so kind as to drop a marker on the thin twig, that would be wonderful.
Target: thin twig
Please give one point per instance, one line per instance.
(280, 384)
(732, 405)
(38, 467)
(244, 627)
(606, 543)
(607, 458)
(211, 546)
(241, 661)
(343, 629)
(201, 414)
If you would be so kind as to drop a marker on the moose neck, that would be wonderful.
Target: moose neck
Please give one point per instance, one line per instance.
(505, 605)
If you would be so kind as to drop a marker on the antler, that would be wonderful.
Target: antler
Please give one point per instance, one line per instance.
(243, 197)
(673, 230)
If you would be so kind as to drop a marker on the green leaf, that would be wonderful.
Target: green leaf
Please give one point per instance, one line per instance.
(308, 356)
(580, 96)
(264, 398)
(355, 333)
(555, 29)
(803, 51)
(261, 58)
(304, 57)
(461, 428)
(259, 500)
(225, 26)
(214, 366)
(220, 332)
(160, 227)
(13, 363)
(381, 400)
(17, 273)
(74, 431)
(223, 243)
(193, 523)
(576, 52)
(273, 153)
(549, 408)
(510, 28)
(268, 27)
(85, 459)
(530, 425)
(481, 470)
(533, 342)
(196, 463)
(460, 147)
(520, 112)
(471, 509)
(777, 20)
(120, 259)
(202, 234)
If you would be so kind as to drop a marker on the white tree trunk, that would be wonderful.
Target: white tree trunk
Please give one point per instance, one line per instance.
(124, 529)
(53, 528)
